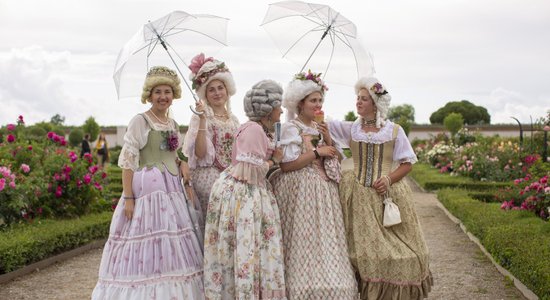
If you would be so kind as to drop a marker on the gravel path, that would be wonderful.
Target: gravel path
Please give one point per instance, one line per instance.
(460, 269)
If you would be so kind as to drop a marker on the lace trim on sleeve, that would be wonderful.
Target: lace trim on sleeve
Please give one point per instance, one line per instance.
(129, 158)
(250, 158)
(249, 173)
(189, 145)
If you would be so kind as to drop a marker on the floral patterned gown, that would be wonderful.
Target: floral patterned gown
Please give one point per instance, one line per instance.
(390, 263)
(156, 254)
(219, 141)
(316, 260)
(243, 256)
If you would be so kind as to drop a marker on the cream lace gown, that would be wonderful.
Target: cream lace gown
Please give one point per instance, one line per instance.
(316, 260)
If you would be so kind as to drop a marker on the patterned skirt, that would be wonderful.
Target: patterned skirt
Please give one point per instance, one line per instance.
(390, 263)
(156, 254)
(316, 259)
(243, 255)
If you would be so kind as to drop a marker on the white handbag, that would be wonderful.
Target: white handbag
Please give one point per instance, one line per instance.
(392, 216)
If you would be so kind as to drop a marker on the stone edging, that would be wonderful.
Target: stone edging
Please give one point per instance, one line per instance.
(51, 260)
(517, 283)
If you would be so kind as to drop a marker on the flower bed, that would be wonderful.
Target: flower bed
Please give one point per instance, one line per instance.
(42, 177)
(517, 240)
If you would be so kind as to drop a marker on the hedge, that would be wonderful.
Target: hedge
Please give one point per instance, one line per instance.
(430, 179)
(517, 240)
(24, 244)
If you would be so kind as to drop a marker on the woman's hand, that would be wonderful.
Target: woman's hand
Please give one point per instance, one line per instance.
(327, 151)
(185, 172)
(323, 129)
(199, 107)
(380, 185)
(129, 208)
(277, 155)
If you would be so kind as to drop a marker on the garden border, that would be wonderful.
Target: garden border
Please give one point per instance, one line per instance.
(51, 260)
(517, 283)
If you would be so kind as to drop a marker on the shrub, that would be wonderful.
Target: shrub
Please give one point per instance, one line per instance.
(23, 244)
(75, 137)
(453, 122)
(516, 239)
(45, 178)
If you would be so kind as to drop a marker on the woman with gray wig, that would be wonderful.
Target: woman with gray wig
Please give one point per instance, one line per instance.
(243, 256)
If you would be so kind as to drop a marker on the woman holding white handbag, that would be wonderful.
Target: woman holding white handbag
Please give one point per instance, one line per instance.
(385, 242)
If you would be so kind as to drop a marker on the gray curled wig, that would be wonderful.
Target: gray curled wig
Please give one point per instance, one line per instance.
(260, 100)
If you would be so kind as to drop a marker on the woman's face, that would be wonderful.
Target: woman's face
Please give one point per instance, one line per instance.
(312, 103)
(276, 114)
(216, 93)
(161, 97)
(365, 104)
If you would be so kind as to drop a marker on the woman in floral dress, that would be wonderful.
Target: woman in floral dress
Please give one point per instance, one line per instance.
(209, 138)
(153, 251)
(316, 259)
(390, 262)
(243, 255)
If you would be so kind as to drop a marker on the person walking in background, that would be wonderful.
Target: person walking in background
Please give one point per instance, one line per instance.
(390, 261)
(209, 138)
(85, 145)
(316, 260)
(102, 150)
(153, 251)
(243, 254)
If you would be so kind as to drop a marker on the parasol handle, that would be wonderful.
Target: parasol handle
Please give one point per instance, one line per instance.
(163, 43)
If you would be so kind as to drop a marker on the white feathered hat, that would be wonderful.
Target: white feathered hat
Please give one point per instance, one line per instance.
(299, 88)
(379, 94)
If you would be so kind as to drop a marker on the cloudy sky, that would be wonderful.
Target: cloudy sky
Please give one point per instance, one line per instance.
(57, 57)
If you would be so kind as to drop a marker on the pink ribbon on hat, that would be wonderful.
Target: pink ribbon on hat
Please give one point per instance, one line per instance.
(198, 61)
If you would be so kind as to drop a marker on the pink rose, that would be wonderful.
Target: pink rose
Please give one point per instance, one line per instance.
(58, 191)
(50, 134)
(12, 184)
(10, 127)
(2, 184)
(11, 138)
(87, 178)
(25, 168)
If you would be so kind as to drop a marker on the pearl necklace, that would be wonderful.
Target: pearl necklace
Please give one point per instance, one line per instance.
(369, 123)
(158, 119)
(220, 115)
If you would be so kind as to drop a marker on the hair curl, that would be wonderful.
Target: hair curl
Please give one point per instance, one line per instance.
(262, 98)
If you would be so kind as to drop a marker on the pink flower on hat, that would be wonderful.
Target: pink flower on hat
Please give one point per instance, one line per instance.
(198, 61)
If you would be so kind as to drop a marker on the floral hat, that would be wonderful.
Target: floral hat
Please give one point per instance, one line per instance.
(204, 70)
(159, 75)
(379, 94)
(299, 88)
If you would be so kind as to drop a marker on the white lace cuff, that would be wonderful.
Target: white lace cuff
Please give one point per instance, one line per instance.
(129, 158)
(249, 173)
(250, 158)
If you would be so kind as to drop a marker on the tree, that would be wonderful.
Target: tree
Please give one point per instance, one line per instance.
(350, 116)
(453, 122)
(471, 113)
(402, 115)
(57, 120)
(91, 127)
(403, 112)
(75, 137)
